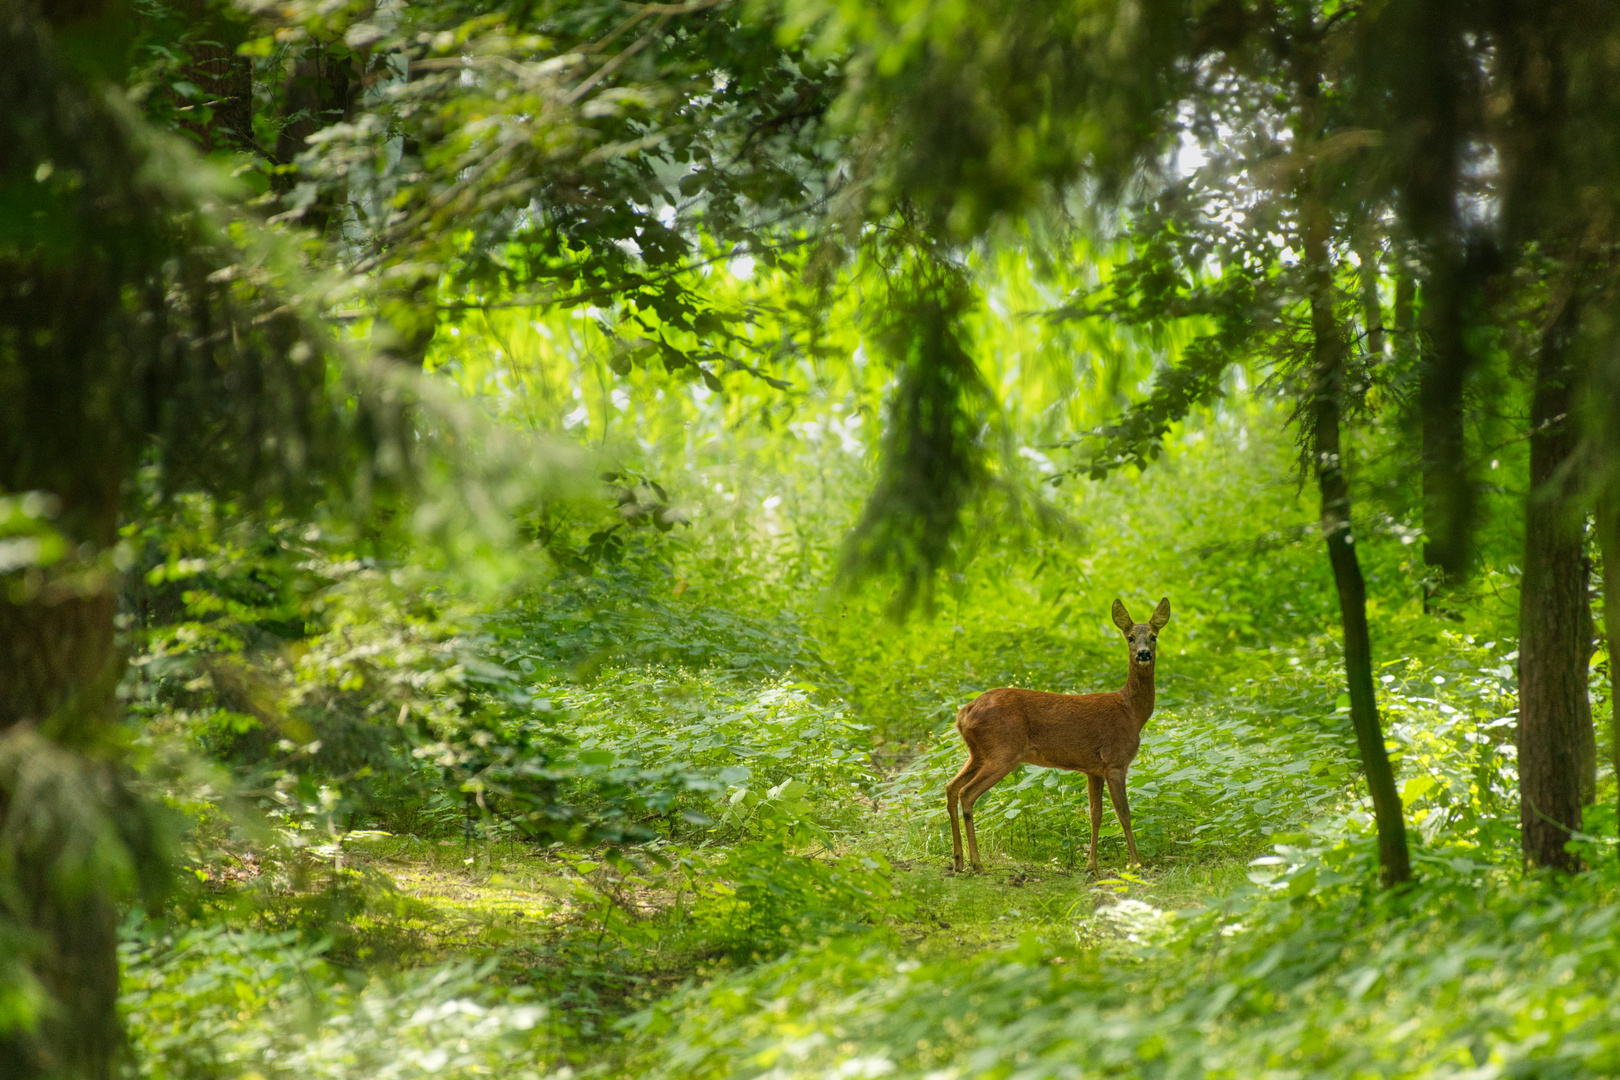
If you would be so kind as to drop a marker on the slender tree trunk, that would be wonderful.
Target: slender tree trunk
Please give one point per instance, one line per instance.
(319, 91)
(226, 82)
(1552, 682)
(1329, 351)
(1448, 496)
(1372, 310)
(1608, 535)
(1584, 727)
(1405, 325)
(1429, 112)
(1336, 532)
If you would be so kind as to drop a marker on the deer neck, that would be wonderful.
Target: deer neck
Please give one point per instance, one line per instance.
(1138, 692)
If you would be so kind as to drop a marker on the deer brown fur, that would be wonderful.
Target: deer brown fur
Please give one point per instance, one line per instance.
(1097, 734)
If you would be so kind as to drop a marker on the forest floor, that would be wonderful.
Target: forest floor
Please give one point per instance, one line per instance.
(564, 962)
(457, 899)
(532, 913)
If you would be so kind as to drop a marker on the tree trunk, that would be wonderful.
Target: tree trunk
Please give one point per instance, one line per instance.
(226, 82)
(1328, 355)
(1336, 532)
(1372, 310)
(1608, 534)
(1585, 729)
(1448, 496)
(65, 821)
(54, 657)
(319, 91)
(1552, 681)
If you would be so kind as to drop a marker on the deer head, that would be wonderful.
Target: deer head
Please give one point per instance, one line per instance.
(1143, 637)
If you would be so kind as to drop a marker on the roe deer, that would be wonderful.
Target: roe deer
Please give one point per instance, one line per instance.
(1097, 734)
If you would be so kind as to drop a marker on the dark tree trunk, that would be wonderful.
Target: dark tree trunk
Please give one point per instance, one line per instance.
(61, 889)
(64, 818)
(1583, 702)
(66, 822)
(1552, 679)
(1608, 535)
(319, 91)
(1453, 299)
(55, 652)
(1428, 105)
(226, 82)
(1372, 310)
(1336, 532)
(1448, 503)
(1329, 351)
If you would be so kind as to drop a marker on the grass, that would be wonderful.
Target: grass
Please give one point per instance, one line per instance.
(426, 902)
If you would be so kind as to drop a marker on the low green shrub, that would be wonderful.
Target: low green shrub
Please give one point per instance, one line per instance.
(215, 1003)
(1313, 971)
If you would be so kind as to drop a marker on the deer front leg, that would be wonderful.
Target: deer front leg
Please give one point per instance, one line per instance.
(1094, 787)
(1116, 792)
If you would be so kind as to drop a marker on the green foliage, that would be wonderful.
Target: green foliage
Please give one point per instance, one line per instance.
(931, 460)
(1310, 971)
(488, 769)
(216, 1003)
(751, 736)
(719, 779)
(626, 609)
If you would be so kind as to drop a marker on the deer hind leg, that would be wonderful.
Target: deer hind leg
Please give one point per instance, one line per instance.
(988, 776)
(1116, 791)
(1094, 786)
(953, 795)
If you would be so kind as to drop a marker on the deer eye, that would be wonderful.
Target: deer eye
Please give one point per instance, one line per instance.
(1153, 637)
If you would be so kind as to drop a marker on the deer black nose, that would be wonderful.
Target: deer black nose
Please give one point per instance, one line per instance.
(1143, 655)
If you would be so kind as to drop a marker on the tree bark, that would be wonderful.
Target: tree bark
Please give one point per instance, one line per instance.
(54, 654)
(1428, 103)
(1585, 728)
(1347, 579)
(1608, 535)
(226, 82)
(1552, 681)
(319, 91)
(1448, 496)
(1372, 310)
(67, 390)
(1329, 351)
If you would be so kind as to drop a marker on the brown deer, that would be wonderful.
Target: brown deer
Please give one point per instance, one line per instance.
(1097, 734)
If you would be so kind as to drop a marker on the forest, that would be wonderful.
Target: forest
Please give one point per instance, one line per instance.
(508, 508)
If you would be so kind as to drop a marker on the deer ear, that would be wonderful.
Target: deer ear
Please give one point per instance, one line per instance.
(1161, 615)
(1122, 618)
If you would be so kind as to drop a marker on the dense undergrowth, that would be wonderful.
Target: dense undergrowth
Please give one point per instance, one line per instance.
(659, 801)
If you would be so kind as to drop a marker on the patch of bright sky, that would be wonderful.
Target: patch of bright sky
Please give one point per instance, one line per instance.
(1190, 155)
